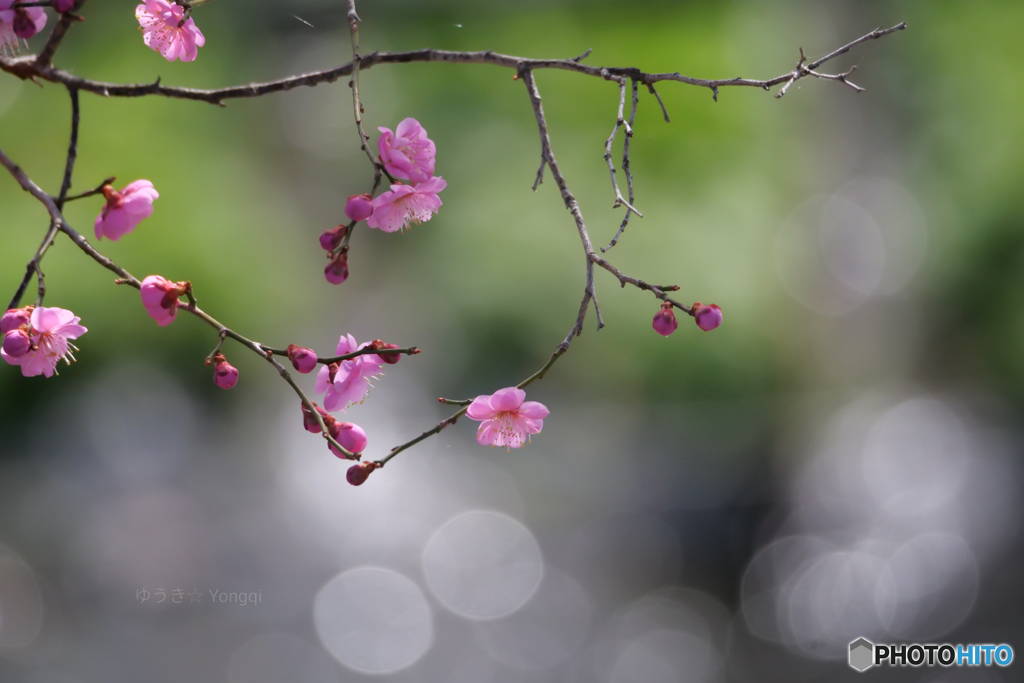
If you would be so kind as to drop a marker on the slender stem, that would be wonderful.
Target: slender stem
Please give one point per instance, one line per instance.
(411, 351)
(69, 165)
(57, 35)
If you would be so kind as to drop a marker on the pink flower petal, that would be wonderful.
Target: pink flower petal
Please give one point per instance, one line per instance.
(508, 399)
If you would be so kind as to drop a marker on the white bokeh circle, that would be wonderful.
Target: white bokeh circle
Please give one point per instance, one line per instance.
(483, 564)
(373, 620)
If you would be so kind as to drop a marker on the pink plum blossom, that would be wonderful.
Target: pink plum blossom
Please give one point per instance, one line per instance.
(303, 360)
(407, 153)
(125, 209)
(63, 5)
(225, 375)
(347, 382)
(506, 418)
(336, 271)
(164, 31)
(665, 322)
(160, 297)
(707, 317)
(358, 473)
(351, 437)
(406, 205)
(49, 330)
(359, 207)
(21, 22)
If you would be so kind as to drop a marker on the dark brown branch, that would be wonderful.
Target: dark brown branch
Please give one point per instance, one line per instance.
(30, 66)
(69, 165)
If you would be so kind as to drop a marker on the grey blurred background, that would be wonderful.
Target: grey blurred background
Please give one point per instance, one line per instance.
(842, 458)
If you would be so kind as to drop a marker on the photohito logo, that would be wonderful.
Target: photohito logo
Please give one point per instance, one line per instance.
(864, 654)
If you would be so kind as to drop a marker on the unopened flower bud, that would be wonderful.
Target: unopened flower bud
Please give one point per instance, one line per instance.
(63, 5)
(160, 297)
(336, 271)
(225, 375)
(303, 360)
(389, 358)
(309, 420)
(707, 317)
(351, 437)
(665, 322)
(15, 318)
(332, 238)
(359, 207)
(357, 474)
(17, 343)
(24, 24)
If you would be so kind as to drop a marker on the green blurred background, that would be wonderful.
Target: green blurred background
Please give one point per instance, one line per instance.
(928, 299)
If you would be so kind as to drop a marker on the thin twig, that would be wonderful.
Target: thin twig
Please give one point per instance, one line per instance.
(625, 168)
(620, 121)
(57, 35)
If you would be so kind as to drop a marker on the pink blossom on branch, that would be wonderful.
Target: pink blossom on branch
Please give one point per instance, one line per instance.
(63, 5)
(49, 330)
(707, 317)
(21, 22)
(407, 153)
(164, 31)
(406, 205)
(506, 418)
(347, 382)
(125, 209)
(160, 297)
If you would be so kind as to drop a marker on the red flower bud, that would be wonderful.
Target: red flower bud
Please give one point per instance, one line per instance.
(359, 207)
(332, 238)
(303, 360)
(707, 317)
(357, 474)
(17, 343)
(309, 421)
(225, 375)
(336, 271)
(389, 358)
(665, 322)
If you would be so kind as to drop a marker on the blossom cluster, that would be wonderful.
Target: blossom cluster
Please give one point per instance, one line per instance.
(37, 338)
(406, 153)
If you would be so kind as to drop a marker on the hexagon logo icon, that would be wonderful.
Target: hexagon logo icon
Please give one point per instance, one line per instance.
(862, 654)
